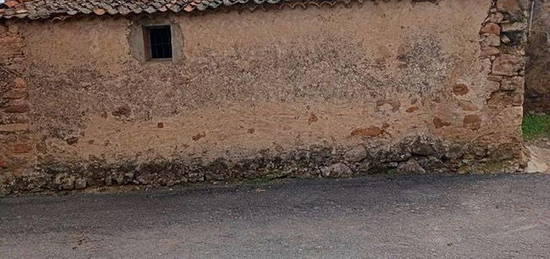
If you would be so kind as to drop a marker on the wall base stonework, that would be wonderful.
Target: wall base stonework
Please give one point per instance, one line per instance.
(412, 155)
(284, 93)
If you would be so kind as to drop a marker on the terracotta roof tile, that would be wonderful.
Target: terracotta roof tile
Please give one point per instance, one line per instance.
(43, 9)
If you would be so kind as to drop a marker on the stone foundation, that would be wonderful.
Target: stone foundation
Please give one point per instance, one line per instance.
(413, 155)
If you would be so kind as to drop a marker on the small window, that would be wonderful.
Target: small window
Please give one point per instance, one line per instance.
(158, 42)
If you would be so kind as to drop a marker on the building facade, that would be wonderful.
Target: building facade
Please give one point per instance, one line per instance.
(168, 92)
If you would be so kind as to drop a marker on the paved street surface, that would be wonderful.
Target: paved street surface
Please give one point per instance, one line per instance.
(502, 216)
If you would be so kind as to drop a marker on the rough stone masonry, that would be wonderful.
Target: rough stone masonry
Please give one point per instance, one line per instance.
(278, 89)
(538, 50)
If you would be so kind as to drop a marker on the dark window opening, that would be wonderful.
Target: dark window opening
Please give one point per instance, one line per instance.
(158, 42)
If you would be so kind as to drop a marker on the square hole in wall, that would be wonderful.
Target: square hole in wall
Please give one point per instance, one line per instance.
(158, 42)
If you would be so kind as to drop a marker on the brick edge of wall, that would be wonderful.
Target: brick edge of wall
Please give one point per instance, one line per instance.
(16, 142)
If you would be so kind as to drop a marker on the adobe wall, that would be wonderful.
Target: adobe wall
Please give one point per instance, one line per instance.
(538, 51)
(328, 92)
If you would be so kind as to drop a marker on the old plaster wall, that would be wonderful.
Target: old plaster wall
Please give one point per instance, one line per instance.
(331, 92)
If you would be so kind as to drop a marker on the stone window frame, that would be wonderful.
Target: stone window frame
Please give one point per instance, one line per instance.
(148, 45)
(137, 40)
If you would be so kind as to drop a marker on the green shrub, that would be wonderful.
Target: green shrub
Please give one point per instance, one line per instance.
(536, 126)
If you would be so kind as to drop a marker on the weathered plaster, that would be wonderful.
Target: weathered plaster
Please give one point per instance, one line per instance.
(267, 86)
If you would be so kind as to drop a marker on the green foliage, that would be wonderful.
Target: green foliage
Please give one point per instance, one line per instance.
(536, 126)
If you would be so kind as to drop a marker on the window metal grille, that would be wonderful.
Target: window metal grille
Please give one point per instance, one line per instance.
(159, 39)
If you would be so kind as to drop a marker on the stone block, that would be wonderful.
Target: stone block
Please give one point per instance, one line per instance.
(513, 84)
(490, 40)
(80, 184)
(517, 99)
(336, 170)
(487, 51)
(508, 6)
(356, 154)
(496, 17)
(65, 182)
(508, 65)
(490, 28)
(514, 27)
(411, 167)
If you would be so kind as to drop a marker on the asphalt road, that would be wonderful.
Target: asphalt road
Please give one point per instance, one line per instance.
(499, 216)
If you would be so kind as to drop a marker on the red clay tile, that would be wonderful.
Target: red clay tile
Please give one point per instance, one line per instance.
(40, 9)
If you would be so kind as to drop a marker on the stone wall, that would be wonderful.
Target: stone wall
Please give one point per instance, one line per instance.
(538, 51)
(316, 92)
